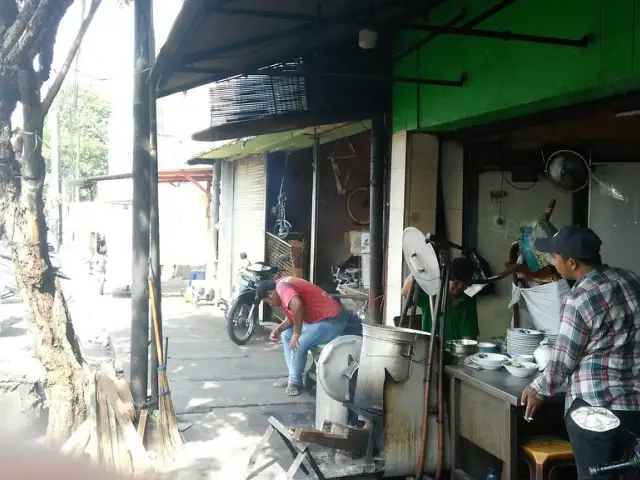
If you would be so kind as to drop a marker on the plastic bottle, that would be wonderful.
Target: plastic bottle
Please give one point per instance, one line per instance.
(492, 474)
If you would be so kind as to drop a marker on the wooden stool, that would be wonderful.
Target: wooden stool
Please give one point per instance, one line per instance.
(543, 454)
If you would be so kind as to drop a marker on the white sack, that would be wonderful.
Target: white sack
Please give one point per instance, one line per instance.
(543, 303)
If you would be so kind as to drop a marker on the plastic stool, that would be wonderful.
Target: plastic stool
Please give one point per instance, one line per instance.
(543, 454)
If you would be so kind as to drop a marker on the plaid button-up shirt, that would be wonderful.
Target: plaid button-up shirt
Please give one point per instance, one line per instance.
(598, 346)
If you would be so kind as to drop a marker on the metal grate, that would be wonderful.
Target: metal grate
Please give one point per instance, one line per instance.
(253, 97)
(276, 247)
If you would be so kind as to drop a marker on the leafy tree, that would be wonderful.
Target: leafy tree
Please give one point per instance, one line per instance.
(28, 30)
(91, 123)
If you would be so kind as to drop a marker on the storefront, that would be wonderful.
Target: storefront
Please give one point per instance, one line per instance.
(472, 162)
(533, 84)
(326, 207)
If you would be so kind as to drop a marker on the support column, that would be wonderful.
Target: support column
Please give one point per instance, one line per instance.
(314, 208)
(141, 206)
(376, 227)
(154, 215)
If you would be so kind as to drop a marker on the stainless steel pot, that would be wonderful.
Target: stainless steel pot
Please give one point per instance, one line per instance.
(462, 347)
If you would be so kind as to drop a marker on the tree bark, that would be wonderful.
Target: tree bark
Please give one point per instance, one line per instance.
(56, 345)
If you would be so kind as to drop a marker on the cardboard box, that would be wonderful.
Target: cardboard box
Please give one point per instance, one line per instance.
(359, 242)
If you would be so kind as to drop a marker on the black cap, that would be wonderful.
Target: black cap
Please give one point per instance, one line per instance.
(462, 269)
(263, 288)
(574, 242)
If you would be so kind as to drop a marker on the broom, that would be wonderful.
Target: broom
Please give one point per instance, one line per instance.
(170, 436)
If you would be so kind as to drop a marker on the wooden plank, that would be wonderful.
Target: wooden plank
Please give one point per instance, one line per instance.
(351, 440)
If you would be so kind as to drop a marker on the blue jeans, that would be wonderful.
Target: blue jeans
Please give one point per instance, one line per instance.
(312, 335)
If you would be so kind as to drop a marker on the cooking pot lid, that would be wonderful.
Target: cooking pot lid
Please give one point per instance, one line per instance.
(422, 260)
(333, 366)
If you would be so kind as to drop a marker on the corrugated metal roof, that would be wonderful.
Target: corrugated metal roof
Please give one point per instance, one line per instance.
(284, 141)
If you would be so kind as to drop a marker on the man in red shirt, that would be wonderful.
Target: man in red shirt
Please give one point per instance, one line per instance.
(313, 318)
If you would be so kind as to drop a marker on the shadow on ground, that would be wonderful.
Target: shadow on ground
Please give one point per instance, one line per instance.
(223, 394)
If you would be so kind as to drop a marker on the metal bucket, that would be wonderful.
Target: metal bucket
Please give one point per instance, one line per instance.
(388, 354)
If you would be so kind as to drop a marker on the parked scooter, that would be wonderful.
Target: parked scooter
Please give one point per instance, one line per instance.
(243, 312)
(599, 419)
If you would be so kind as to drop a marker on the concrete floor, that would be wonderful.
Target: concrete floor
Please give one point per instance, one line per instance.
(222, 393)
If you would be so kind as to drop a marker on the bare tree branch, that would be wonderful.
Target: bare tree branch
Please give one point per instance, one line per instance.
(8, 14)
(75, 46)
(46, 14)
(17, 28)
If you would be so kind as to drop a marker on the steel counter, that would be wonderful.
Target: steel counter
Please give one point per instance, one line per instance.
(485, 409)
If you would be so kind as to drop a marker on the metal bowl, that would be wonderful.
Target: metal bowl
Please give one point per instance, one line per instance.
(462, 347)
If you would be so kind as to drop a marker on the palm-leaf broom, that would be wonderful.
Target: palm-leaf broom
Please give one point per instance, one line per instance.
(170, 436)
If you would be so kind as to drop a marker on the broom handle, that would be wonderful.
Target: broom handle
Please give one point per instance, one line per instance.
(154, 315)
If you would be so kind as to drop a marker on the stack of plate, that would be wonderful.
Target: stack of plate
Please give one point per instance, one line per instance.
(550, 338)
(522, 341)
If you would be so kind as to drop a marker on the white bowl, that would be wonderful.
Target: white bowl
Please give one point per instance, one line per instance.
(490, 361)
(526, 369)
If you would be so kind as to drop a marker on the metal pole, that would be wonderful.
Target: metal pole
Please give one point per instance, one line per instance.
(376, 215)
(141, 206)
(55, 190)
(314, 207)
(215, 213)
(154, 212)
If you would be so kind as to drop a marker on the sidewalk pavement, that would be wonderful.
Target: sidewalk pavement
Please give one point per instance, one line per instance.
(222, 393)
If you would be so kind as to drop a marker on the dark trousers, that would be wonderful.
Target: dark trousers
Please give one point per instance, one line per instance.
(596, 448)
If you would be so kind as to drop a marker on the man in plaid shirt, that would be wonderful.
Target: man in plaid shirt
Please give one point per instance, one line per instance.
(597, 351)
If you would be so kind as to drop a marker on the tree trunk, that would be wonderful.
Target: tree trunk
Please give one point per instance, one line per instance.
(56, 345)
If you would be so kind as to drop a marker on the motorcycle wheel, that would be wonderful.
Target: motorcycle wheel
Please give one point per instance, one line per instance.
(239, 313)
(282, 229)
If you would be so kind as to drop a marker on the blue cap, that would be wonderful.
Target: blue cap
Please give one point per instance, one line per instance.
(574, 242)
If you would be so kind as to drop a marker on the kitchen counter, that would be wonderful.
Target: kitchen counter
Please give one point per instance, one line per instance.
(485, 410)
(497, 383)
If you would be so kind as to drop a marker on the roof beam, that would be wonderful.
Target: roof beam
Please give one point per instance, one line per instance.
(226, 50)
(487, 14)
(364, 77)
(505, 35)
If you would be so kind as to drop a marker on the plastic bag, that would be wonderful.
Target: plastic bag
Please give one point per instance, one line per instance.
(543, 303)
(541, 228)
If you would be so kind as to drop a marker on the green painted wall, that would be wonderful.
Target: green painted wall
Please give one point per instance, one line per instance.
(510, 79)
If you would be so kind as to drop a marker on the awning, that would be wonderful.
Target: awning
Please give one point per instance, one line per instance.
(217, 39)
(284, 141)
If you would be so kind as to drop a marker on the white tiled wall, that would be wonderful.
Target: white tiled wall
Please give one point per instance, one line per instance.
(413, 188)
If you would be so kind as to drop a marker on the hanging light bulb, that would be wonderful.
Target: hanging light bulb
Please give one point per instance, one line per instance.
(367, 38)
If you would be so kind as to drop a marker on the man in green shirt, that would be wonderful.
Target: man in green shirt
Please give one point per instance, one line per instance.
(461, 316)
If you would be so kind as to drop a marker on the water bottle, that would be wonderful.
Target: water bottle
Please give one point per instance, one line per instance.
(492, 474)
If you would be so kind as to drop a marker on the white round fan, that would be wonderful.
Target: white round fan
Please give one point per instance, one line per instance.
(422, 260)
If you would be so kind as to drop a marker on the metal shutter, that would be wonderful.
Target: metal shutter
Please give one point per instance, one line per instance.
(249, 211)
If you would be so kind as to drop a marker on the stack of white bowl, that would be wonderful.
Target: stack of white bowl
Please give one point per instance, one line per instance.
(523, 341)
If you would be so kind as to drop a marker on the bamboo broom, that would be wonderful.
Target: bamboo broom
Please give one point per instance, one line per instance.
(170, 436)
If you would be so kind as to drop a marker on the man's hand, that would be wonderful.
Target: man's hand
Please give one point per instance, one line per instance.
(294, 341)
(531, 403)
(275, 334)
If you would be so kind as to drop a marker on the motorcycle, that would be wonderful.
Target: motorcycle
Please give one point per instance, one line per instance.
(243, 312)
(599, 419)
